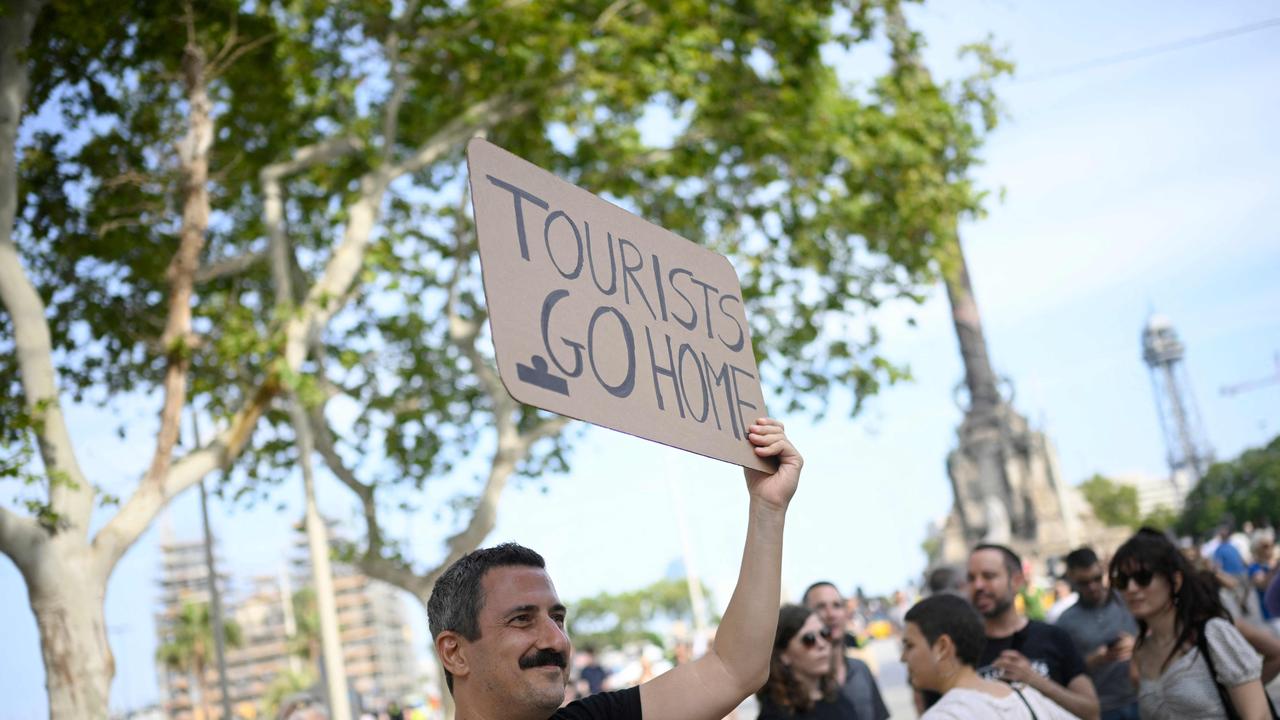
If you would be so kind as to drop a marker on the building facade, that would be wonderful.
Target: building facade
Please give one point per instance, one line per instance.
(280, 637)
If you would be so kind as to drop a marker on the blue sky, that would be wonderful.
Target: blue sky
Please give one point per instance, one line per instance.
(1141, 185)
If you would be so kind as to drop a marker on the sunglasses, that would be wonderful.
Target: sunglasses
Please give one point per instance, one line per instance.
(810, 639)
(1120, 581)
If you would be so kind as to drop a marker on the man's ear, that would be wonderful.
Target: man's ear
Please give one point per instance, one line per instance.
(451, 648)
(944, 648)
(1017, 582)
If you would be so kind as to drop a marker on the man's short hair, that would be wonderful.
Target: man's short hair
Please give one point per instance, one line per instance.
(457, 597)
(954, 617)
(804, 599)
(1081, 559)
(1012, 563)
(945, 579)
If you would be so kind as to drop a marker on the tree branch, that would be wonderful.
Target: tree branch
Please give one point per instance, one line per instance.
(19, 538)
(228, 266)
(370, 559)
(397, 573)
(512, 448)
(230, 53)
(193, 154)
(69, 494)
(136, 514)
(311, 155)
(480, 116)
(328, 450)
(279, 252)
(391, 113)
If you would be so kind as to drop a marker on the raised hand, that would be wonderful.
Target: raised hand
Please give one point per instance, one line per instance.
(770, 440)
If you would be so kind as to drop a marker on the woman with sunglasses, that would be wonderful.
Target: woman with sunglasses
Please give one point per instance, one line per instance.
(801, 684)
(1189, 660)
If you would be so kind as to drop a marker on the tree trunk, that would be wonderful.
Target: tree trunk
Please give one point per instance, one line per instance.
(203, 686)
(67, 596)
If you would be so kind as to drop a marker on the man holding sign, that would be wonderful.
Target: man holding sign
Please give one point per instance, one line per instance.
(498, 625)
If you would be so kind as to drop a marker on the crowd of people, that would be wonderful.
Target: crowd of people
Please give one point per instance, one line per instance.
(1157, 631)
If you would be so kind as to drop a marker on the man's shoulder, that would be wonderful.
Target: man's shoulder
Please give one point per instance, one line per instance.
(1073, 614)
(1043, 632)
(616, 705)
(1043, 629)
(854, 665)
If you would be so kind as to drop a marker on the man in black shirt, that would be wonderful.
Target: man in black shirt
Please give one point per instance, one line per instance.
(1023, 650)
(498, 625)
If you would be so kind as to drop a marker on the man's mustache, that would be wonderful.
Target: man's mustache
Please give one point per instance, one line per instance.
(542, 658)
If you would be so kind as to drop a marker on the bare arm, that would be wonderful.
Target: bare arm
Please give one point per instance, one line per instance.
(1267, 645)
(1078, 697)
(1250, 701)
(713, 685)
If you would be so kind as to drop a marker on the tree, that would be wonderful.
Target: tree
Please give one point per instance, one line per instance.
(113, 331)
(1246, 488)
(283, 685)
(188, 646)
(616, 619)
(1161, 517)
(1115, 504)
(332, 273)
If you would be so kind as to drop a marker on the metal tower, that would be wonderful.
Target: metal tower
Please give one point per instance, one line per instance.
(1189, 454)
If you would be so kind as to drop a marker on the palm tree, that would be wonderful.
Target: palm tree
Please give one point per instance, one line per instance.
(305, 642)
(189, 645)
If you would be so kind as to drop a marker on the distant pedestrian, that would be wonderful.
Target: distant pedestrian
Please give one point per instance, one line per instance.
(1064, 596)
(948, 579)
(1261, 568)
(591, 671)
(1104, 632)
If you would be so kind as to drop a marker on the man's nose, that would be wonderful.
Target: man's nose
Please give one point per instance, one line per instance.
(553, 636)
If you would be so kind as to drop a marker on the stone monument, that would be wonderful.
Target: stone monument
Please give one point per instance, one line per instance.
(1008, 488)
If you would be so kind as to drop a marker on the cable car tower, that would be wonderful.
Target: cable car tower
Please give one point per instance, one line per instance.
(1189, 454)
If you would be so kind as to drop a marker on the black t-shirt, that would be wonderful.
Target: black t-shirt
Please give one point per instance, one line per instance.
(1049, 648)
(620, 705)
(838, 709)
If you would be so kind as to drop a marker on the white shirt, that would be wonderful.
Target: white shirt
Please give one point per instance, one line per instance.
(964, 704)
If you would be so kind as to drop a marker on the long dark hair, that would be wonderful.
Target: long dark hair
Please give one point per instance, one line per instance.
(783, 689)
(1195, 601)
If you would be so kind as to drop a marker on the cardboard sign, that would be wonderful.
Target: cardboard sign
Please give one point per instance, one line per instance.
(602, 316)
